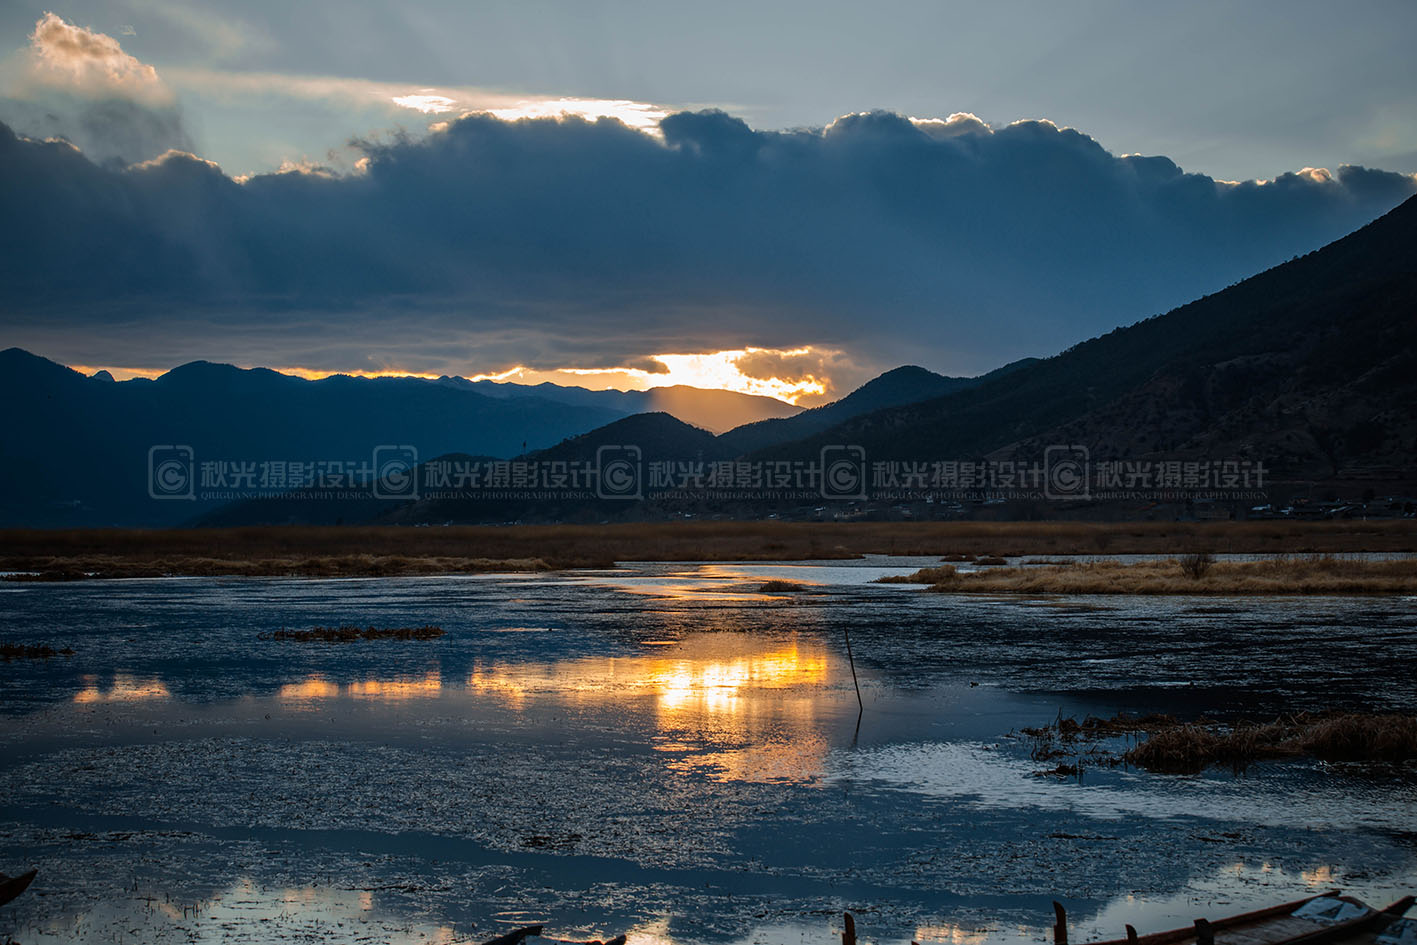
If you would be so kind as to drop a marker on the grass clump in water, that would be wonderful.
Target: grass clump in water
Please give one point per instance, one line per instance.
(782, 587)
(31, 651)
(349, 633)
(945, 574)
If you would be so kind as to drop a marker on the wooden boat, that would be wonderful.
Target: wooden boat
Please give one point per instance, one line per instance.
(12, 886)
(1326, 919)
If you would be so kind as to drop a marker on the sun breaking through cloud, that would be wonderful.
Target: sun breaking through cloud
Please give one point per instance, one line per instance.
(796, 376)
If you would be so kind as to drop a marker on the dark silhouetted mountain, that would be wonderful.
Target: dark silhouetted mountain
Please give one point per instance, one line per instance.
(658, 436)
(714, 410)
(76, 449)
(631, 443)
(1309, 367)
(904, 385)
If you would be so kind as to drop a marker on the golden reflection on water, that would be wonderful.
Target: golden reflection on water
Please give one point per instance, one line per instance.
(317, 687)
(951, 933)
(704, 677)
(718, 685)
(1318, 876)
(124, 688)
(398, 689)
(725, 705)
(249, 912)
(720, 582)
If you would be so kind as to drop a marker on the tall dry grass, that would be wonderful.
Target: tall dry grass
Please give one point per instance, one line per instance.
(1278, 575)
(1349, 737)
(79, 567)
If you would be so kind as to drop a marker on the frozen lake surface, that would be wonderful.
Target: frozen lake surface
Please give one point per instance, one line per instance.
(667, 751)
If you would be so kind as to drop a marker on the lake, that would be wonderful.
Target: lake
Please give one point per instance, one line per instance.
(667, 751)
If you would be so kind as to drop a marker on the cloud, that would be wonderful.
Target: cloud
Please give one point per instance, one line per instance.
(79, 85)
(563, 242)
(960, 123)
(83, 62)
(834, 370)
(426, 101)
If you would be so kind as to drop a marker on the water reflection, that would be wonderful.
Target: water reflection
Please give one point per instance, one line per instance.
(1238, 888)
(988, 776)
(744, 582)
(397, 689)
(717, 685)
(123, 688)
(953, 934)
(561, 755)
(247, 911)
(316, 687)
(708, 674)
(722, 704)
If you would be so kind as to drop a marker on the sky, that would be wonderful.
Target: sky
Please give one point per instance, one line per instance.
(783, 198)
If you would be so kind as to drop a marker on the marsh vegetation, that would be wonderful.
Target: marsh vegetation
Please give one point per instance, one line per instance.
(1190, 574)
(1165, 744)
(349, 633)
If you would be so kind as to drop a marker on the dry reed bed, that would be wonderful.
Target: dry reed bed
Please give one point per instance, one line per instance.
(80, 567)
(1350, 737)
(1171, 746)
(1193, 574)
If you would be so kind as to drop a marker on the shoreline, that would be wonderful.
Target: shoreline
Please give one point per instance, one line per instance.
(389, 551)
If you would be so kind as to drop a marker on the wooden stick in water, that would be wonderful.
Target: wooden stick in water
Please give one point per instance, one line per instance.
(860, 706)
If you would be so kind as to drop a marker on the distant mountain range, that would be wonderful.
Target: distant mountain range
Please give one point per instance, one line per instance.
(654, 437)
(76, 449)
(714, 410)
(1309, 368)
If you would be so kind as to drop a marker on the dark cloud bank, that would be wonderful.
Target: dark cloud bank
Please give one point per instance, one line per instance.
(552, 242)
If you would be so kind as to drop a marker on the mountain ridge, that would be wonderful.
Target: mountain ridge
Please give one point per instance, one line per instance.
(1365, 284)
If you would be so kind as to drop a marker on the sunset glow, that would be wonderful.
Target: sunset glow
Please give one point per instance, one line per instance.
(642, 116)
(119, 373)
(716, 370)
(639, 115)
